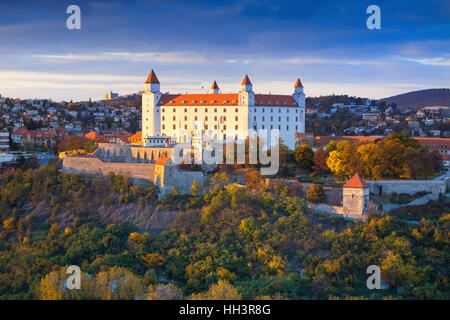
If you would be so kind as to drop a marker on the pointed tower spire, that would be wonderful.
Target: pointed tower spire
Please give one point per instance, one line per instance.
(152, 78)
(298, 84)
(246, 84)
(152, 82)
(215, 87)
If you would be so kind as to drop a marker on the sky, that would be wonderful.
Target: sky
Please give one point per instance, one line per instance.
(190, 44)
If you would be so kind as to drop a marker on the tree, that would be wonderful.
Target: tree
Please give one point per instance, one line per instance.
(164, 292)
(154, 260)
(223, 290)
(253, 179)
(315, 193)
(118, 284)
(195, 188)
(304, 156)
(320, 161)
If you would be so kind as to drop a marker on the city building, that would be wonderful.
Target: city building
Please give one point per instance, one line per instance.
(220, 115)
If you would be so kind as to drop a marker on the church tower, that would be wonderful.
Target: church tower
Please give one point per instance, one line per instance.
(299, 97)
(246, 95)
(151, 115)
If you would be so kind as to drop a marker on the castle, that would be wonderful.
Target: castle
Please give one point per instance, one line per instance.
(219, 115)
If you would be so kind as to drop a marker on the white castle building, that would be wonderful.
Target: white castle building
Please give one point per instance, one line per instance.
(180, 117)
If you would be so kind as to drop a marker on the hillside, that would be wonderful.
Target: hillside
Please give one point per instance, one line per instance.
(421, 98)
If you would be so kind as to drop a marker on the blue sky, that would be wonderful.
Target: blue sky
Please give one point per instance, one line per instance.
(191, 43)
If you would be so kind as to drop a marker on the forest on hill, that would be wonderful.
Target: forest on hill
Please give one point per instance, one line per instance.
(258, 242)
(421, 98)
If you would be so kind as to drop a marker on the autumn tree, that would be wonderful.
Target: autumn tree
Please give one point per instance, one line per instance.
(320, 161)
(315, 193)
(304, 156)
(222, 290)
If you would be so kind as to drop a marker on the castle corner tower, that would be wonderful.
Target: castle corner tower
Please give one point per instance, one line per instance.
(356, 195)
(151, 120)
(299, 97)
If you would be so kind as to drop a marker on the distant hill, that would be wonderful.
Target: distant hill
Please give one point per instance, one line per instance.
(421, 98)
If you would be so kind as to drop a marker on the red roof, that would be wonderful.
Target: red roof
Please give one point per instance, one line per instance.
(136, 136)
(225, 99)
(21, 131)
(246, 81)
(93, 135)
(215, 86)
(298, 84)
(161, 161)
(152, 78)
(356, 182)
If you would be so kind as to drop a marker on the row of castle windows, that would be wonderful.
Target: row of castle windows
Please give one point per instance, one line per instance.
(225, 110)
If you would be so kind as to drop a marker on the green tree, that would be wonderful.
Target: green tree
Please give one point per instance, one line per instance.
(315, 193)
(304, 156)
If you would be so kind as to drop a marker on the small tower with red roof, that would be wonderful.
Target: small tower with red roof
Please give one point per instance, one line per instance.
(356, 195)
(152, 83)
(246, 95)
(215, 88)
(299, 97)
(151, 120)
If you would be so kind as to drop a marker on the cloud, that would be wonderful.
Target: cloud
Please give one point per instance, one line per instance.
(161, 57)
(436, 61)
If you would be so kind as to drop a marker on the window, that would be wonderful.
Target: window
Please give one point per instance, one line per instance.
(185, 118)
(279, 118)
(206, 126)
(185, 110)
(296, 119)
(296, 128)
(163, 126)
(174, 118)
(215, 110)
(263, 126)
(206, 118)
(287, 127)
(164, 118)
(263, 118)
(174, 110)
(174, 127)
(263, 109)
(215, 126)
(254, 118)
(279, 110)
(271, 118)
(195, 118)
(224, 127)
(206, 109)
(271, 110)
(185, 126)
(215, 118)
(163, 110)
(235, 127)
(195, 110)
(235, 118)
(224, 110)
(224, 118)
(287, 118)
(236, 110)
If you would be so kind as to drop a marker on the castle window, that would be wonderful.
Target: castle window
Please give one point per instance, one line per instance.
(206, 118)
(163, 110)
(164, 118)
(163, 126)
(206, 126)
(254, 118)
(224, 110)
(279, 127)
(279, 118)
(287, 127)
(234, 101)
(171, 102)
(185, 110)
(202, 102)
(236, 110)
(195, 118)
(174, 110)
(225, 102)
(271, 126)
(287, 110)
(212, 102)
(278, 102)
(296, 119)
(263, 119)
(235, 118)
(215, 126)
(185, 118)
(263, 109)
(271, 118)
(206, 109)
(296, 128)
(262, 126)
(215, 118)
(174, 127)
(285, 102)
(287, 118)
(269, 102)
(279, 110)
(224, 127)
(235, 127)
(215, 110)
(195, 110)
(174, 118)
(224, 118)
(185, 126)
